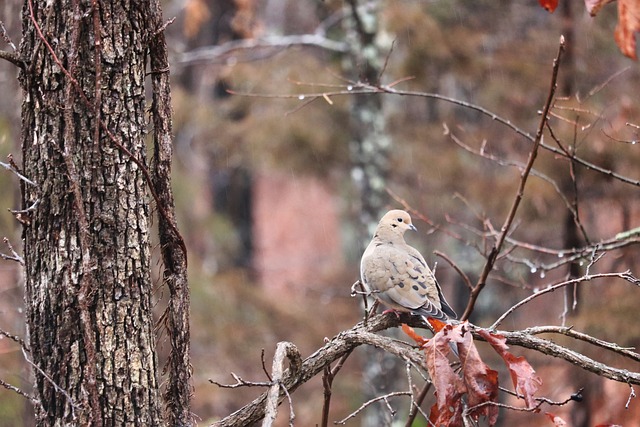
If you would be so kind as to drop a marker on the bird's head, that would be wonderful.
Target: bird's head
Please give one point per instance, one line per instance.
(397, 220)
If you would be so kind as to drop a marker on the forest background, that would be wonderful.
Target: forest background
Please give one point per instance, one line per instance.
(270, 206)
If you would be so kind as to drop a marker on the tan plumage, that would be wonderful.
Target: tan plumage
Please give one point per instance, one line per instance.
(397, 275)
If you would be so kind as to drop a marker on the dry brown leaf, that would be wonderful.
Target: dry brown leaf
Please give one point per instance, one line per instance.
(524, 377)
(480, 380)
(449, 386)
(196, 13)
(628, 25)
(477, 380)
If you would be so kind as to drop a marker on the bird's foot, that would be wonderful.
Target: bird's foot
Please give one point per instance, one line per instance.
(391, 310)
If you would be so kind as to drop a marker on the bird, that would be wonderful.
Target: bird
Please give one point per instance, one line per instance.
(397, 275)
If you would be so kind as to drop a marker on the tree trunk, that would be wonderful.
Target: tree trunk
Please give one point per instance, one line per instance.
(86, 225)
(369, 147)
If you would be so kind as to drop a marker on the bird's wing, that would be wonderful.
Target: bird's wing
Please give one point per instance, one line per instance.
(399, 276)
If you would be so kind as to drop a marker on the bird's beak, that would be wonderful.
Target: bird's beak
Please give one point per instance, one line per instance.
(412, 227)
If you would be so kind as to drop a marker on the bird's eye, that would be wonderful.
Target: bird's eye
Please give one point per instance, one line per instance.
(399, 219)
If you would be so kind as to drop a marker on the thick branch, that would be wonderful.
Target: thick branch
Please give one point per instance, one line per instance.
(549, 348)
(568, 331)
(12, 57)
(365, 333)
(340, 345)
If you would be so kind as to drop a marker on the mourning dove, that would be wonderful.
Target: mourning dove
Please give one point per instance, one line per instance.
(397, 275)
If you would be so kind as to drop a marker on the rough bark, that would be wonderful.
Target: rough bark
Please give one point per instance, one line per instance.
(178, 389)
(88, 287)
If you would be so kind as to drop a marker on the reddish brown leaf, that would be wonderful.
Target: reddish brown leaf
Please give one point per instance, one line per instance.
(556, 420)
(480, 380)
(628, 25)
(549, 5)
(524, 377)
(449, 386)
(436, 324)
(413, 335)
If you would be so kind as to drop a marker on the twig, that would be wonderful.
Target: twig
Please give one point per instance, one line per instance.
(456, 267)
(570, 332)
(222, 52)
(264, 367)
(15, 389)
(5, 36)
(632, 394)
(327, 381)
(16, 339)
(10, 168)
(577, 396)
(550, 348)
(242, 383)
(59, 389)
(417, 404)
(13, 257)
(493, 255)
(384, 398)
(626, 275)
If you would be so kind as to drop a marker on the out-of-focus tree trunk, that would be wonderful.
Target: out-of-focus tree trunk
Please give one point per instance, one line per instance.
(87, 220)
(370, 142)
(369, 148)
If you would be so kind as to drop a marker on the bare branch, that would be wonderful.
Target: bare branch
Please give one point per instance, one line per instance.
(549, 348)
(495, 251)
(417, 404)
(14, 255)
(5, 36)
(384, 398)
(19, 391)
(456, 267)
(242, 383)
(59, 389)
(327, 381)
(16, 339)
(568, 331)
(221, 53)
(11, 168)
(632, 394)
(333, 350)
(626, 275)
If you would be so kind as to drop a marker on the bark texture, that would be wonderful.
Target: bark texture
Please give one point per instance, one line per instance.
(88, 286)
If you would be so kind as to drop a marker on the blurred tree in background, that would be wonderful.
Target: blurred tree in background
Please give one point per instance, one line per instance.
(276, 193)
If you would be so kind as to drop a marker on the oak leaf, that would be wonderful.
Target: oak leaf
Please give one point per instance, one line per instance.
(447, 411)
(628, 25)
(480, 380)
(524, 377)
